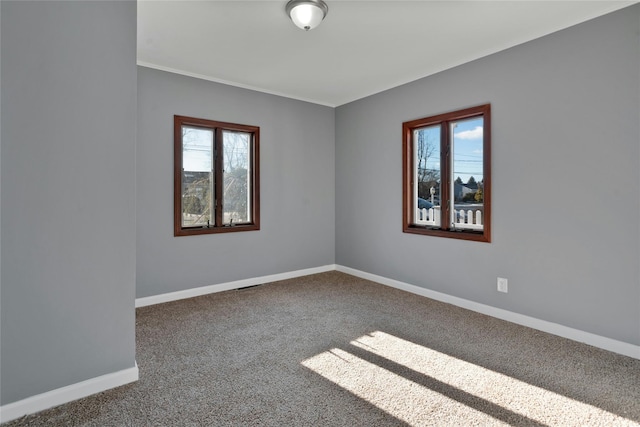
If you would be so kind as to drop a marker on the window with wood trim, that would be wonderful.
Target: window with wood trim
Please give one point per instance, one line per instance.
(446, 182)
(216, 177)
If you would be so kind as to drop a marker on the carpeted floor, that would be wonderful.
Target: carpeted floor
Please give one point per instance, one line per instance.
(335, 350)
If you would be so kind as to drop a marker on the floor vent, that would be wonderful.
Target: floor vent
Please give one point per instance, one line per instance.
(248, 287)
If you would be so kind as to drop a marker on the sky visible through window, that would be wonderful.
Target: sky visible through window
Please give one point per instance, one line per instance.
(467, 149)
(467, 152)
(197, 149)
(196, 153)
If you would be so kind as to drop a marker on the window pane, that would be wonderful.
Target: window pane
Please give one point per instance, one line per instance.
(426, 191)
(467, 166)
(197, 177)
(236, 207)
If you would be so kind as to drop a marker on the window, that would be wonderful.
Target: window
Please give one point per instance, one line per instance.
(216, 177)
(446, 181)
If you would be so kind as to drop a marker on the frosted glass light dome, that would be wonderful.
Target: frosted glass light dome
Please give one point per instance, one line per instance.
(307, 14)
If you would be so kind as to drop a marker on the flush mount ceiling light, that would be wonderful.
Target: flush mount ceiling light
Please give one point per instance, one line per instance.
(307, 14)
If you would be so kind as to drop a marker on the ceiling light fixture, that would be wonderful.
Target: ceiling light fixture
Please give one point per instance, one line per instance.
(307, 14)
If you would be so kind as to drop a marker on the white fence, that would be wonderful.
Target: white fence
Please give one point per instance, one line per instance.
(464, 219)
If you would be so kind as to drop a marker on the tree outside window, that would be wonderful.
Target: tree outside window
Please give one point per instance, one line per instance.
(446, 174)
(216, 177)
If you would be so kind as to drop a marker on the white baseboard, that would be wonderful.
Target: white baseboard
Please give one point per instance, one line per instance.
(67, 394)
(204, 290)
(86, 388)
(604, 343)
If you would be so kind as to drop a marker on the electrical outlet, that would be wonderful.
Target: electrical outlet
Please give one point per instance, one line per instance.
(503, 285)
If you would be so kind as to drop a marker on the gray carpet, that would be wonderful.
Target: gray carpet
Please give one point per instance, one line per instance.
(335, 350)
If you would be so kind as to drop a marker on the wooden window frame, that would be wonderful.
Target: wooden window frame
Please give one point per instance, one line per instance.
(408, 208)
(253, 187)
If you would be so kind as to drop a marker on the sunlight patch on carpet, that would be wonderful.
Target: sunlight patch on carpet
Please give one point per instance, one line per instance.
(421, 386)
(399, 397)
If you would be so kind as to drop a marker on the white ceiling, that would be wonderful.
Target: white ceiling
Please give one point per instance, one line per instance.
(361, 48)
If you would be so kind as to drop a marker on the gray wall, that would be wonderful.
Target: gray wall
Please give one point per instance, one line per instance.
(565, 112)
(297, 149)
(565, 137)
(68, 200)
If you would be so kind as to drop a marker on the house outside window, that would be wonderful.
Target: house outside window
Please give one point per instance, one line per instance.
(216, 177)
(447, 174)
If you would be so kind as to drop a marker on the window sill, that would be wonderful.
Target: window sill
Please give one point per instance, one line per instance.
(475, 236)
(215, 230)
